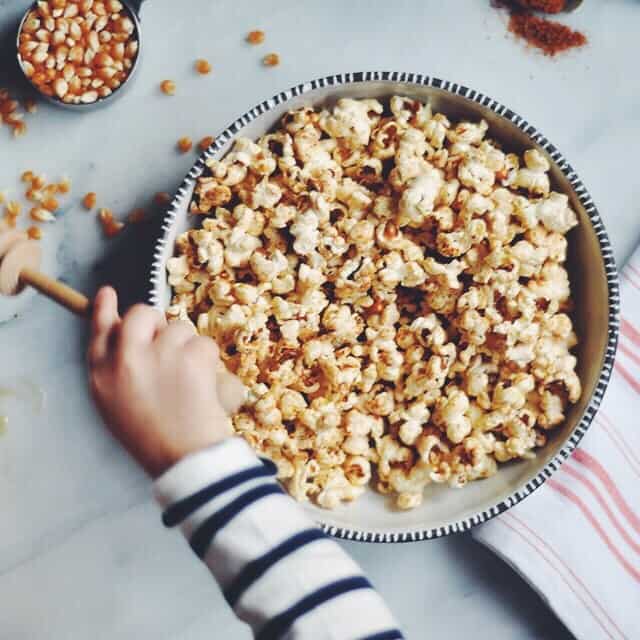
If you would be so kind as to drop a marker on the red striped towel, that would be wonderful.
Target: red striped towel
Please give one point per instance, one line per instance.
(576, 540)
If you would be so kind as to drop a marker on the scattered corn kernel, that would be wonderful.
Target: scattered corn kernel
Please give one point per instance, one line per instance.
(64, 186)
(10, 220)
(13, 119)
(51, 204)
(8, 106)
(34, 195)
(9, 113)
(255, 37)
(168, 87)
(162, 198)
(27, 176)
(271, 60)
(185, 144)
(30, 105)
(205, 143)
(14, 208)
(112, 228)
(89, 201)
(38, 182)
(19, 129)
(105, 215)
(35, 233)
(40, 214)
(203, 67)
(137, 215)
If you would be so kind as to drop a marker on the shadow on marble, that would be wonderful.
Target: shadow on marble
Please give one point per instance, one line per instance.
(127, 266)
(508, 587)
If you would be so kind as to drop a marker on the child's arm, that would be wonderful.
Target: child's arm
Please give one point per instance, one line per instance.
(155, 387)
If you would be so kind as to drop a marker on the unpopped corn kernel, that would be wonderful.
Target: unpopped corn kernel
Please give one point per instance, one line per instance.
(89, 200)
(14, 208)
(202, 66)
(35, 233)
(185, 144)
(162, 198)
(255, 37)
(168, 87)
(51, 204)
(137, 215)
(30, 105)
(205, 143)
(271, 60)
(40, 214)
(64, 186)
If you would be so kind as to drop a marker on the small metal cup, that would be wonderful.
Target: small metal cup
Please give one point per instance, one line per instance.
(132, 7)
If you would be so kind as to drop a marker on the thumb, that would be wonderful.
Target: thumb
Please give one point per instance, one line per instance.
(232, 394)
(104, 320)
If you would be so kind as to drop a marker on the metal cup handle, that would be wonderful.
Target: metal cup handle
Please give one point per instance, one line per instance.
(135, 5)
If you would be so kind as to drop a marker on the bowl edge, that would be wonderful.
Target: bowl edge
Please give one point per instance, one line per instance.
(157, 272)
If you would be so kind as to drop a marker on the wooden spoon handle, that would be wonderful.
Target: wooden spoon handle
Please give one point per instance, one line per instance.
(231, 392)
(58, 291)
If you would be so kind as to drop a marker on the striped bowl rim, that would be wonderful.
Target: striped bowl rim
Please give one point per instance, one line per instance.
(157, 277)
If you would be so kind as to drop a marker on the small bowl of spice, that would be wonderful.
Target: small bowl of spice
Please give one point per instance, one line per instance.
(79, 53)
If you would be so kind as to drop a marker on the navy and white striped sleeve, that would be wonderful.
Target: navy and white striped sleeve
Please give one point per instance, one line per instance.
(280, 573)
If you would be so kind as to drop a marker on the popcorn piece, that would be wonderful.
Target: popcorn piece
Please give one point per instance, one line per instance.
(450, 413)
(266, 194)
(533, 177)
(468, 132)
(305, 231)
(418, 200)
(351, 120)
(555, 214)
(476, 175)
(413, 421)
(240, 247)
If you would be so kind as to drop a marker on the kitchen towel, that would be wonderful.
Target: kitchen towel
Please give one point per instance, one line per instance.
(576, 539)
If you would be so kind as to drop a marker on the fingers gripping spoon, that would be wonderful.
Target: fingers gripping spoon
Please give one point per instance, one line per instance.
(20, 260)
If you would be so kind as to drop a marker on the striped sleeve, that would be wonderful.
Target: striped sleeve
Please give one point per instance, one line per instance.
(281, 574)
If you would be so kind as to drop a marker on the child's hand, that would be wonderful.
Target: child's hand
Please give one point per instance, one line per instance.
(154, 384)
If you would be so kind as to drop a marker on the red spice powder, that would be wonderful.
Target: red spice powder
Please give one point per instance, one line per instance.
(545, 6)
(551, 37)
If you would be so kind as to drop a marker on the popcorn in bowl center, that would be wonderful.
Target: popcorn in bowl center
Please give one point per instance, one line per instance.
(391, 288)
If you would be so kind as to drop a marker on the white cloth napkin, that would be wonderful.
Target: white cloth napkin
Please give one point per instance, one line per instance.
(576, 540)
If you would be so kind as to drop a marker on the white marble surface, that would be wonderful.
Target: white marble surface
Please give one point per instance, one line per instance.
(82, 552)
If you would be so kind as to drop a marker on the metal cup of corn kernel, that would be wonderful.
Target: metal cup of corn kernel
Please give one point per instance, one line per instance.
(79, 53)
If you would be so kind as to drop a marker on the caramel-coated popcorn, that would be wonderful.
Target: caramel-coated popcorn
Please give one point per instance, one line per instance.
(391, 288)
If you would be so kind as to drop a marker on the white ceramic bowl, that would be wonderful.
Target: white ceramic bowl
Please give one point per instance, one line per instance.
(594, 283)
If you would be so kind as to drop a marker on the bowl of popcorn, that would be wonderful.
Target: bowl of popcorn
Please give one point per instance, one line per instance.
(416, 289)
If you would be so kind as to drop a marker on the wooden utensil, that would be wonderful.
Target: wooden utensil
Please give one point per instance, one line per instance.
(19, 266)
(20, 260)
